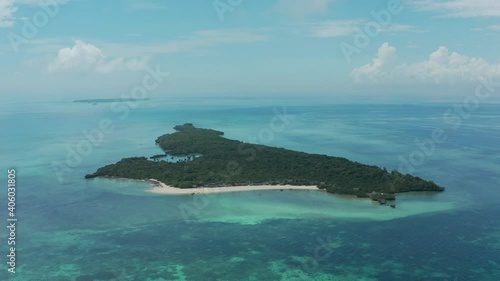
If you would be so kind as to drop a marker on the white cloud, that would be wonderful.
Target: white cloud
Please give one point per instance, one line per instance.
(107, 67)
(88, 58)
(377, 70)
(9, 7)
(442, 67)
(7, 10)
(459, 8)
(494, 27)
(200, 41)
(137, 64)
(339, 28)
(212, 38)
(302, 8)
(487, 28)
(401, 28)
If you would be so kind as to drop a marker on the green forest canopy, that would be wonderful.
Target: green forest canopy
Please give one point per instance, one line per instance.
(231, 162)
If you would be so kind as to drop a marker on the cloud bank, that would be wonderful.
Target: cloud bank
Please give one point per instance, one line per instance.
(7, 10)
(459, 8)
(86, 57)
(441, 67)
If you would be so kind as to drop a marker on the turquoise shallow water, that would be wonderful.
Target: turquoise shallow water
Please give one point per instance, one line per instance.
(73, 229)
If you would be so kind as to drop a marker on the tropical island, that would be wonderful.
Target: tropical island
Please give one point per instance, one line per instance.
(206, 159)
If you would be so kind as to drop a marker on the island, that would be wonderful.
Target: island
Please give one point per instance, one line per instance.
(207, 160)
(96, 101)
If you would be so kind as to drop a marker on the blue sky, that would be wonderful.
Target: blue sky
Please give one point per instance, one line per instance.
(66, 49)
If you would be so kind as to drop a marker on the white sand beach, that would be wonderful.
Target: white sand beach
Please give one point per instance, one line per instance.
(161, 188)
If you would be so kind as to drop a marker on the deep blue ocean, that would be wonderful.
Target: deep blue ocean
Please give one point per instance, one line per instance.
(70, 228)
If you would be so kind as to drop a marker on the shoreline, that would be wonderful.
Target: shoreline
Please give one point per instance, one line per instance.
(162, 188)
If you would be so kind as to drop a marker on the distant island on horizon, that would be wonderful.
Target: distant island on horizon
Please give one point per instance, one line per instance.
(208, 159)
(107, 100)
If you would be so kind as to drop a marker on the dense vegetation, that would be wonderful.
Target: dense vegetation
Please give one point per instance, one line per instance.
(232, 162)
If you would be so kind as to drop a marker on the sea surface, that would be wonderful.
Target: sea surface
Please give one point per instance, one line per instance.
(70, 228)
